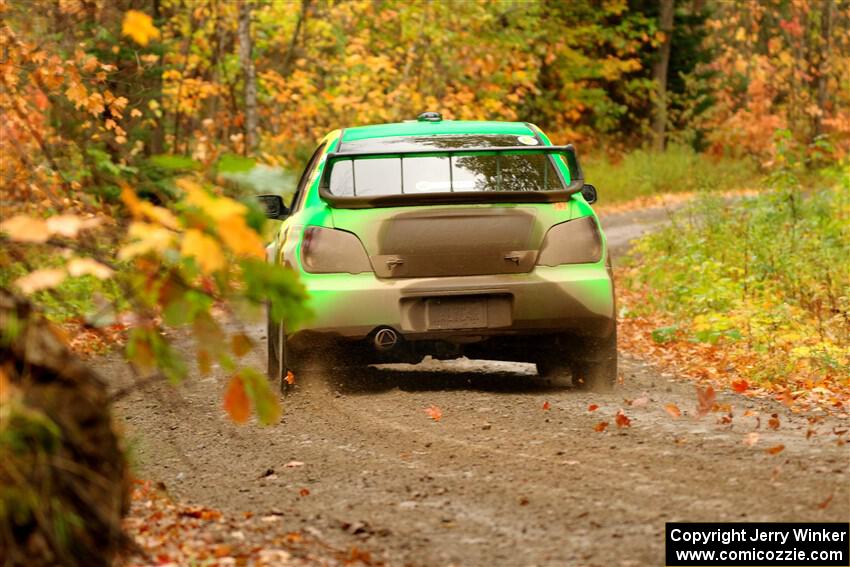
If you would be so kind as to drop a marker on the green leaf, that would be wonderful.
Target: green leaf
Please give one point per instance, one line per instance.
(664, 335)
(232, 163)
(174, 163)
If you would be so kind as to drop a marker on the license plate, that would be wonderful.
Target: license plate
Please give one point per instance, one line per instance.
(457, 313)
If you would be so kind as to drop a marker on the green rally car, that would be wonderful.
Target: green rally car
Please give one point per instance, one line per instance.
(446, 238)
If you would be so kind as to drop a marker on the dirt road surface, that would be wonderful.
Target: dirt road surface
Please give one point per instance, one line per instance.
(498, 480)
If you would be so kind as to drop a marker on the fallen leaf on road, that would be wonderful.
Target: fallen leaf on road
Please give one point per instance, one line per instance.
(740, 386)
(641, 401)
(434, 413)
(304, 492)
(622, 420)
(775, 450)
(751, 439)
(773, 422)
(823, 505)
(601, 426)
(592, 407)
(705, 400)
(673, 410)
(546, 405)
(290, 377)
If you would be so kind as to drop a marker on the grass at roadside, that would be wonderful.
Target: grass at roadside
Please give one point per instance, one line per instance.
(755, 291)
(678, 169)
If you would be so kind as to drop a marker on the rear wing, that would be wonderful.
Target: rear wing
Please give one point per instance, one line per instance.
(573, 186)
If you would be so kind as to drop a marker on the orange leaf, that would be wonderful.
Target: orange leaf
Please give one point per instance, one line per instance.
(775, 450)
(546, 406)
(622, 419)
(592, 407)
(705, 400)
(304, 492)
(290, 377)
(673, 410)
(434, 413)
(241, 344)
(601, 426)
(236, 401)
(204, 362)
(740, 386)
(773, 422)
(823, 505)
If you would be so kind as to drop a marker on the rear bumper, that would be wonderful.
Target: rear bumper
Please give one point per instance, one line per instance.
(570, 298)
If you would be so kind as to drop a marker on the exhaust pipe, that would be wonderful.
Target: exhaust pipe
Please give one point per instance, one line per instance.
(385, 338)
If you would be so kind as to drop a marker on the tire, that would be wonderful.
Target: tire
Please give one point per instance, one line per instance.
(280, 358)
(591, 362)
(595, 365)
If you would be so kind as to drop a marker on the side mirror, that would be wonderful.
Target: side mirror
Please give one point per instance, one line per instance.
(589, 193)
(274, 207)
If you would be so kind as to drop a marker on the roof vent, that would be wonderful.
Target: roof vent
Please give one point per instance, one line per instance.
(430, 117)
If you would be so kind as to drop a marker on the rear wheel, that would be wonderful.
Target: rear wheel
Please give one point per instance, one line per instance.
(591, 361)
(595, 365)
(280, 358)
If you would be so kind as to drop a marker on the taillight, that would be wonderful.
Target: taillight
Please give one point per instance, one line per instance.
(573, 242)
(329, 251)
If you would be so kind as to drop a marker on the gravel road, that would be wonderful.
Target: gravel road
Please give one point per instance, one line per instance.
(499, 480)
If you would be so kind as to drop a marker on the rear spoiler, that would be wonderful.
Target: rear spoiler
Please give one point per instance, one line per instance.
(361, 202)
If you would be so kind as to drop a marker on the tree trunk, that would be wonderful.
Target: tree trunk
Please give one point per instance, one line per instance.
(300, 24)
(823, 64)
(64, 475)
(249, 75)
(659, 73)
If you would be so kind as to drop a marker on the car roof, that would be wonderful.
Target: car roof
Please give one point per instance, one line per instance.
(442, 127)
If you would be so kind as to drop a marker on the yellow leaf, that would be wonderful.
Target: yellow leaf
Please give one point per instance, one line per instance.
(77, 94)
(159, 214)
(22, 228)
(87, 266)
(131, 201)
(147, 238)
(139, 26)
(216, 207)
(40, 279)
(240, 238)
(204, 249)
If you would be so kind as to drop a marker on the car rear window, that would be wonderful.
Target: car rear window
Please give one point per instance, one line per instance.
(442, 174)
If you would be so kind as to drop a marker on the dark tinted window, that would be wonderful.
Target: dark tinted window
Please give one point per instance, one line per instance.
(433, 174)
(392, 176)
